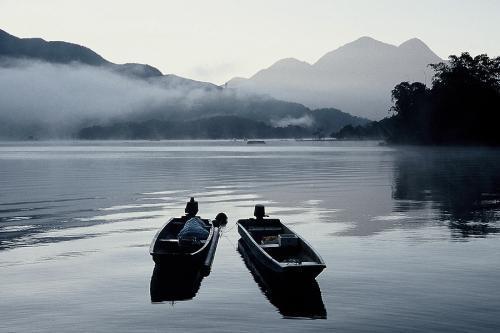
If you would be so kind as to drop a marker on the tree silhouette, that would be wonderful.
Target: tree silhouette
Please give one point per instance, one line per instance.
(466, 100)
(462, 107)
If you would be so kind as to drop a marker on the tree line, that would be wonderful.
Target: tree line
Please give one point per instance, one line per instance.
(461, 107)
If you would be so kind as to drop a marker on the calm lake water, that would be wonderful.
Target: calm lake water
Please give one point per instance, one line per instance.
(410, 235)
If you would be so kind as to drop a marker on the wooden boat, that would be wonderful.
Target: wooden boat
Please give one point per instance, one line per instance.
(167, 249)
(278, 248)
(256, 142)
(293, 298)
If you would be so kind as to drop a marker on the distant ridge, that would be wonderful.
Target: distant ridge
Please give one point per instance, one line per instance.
(66, 53)
(56, 51)
(356, 77)
(61, 90)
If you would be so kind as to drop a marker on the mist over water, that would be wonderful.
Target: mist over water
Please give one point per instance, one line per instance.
(409, 235)
(53, 101)
(58, 98)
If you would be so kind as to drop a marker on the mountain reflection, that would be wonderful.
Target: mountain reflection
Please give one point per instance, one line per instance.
(461, 184)
(292, 298)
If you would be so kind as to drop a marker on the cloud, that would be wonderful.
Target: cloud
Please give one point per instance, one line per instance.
(304, 121)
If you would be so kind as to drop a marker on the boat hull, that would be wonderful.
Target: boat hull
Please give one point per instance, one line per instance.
(184, 259)
(271, 264)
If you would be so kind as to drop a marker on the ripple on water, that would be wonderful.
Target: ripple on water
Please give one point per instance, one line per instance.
(408, 235)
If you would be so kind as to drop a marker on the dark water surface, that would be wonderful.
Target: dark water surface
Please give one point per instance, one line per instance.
(410, 236)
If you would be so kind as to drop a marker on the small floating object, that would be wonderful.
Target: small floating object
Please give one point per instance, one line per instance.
(256, 142)
(187, 240)
(277, 248)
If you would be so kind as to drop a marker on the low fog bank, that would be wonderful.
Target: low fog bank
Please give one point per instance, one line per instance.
(43, 100)
(53, 100)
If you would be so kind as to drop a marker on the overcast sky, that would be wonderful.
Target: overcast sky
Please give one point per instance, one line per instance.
(218, 39)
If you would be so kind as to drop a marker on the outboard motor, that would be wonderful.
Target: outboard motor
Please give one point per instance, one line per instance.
(220, 220)
(191, 208)
(259, 212)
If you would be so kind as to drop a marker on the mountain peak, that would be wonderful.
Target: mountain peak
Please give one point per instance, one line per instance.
(356, 77)
(413, 43)
(289, 62)
(366, 41)
(416, 46)
(291, 66)
(357, 49)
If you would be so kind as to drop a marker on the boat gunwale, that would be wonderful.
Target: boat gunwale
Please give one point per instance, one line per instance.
(316, 253)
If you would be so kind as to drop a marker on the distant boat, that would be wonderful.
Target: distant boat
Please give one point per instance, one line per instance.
(167, 249)
(316, 140)
(278, 248)
(256, 142)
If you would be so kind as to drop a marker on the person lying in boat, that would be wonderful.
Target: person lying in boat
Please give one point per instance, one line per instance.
(194, 228)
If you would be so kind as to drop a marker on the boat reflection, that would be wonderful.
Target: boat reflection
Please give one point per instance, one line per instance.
(293, 298)
(171, 283)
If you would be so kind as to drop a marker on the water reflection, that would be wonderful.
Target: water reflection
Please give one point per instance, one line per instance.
(292, 298)
(461, 184)
(171, 283)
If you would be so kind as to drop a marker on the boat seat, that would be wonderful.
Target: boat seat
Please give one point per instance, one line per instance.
(263, 228)
(301, 263)
(175, 240)
(189, 242)
(307, 263)
(169, 240)
(271, 245)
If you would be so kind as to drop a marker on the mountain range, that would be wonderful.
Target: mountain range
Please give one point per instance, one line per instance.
(55, 89)
(356, 78)
(66, 53)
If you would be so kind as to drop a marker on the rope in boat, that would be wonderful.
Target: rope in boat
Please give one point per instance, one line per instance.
(234, 225)
(231, 243)
(223, 233)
